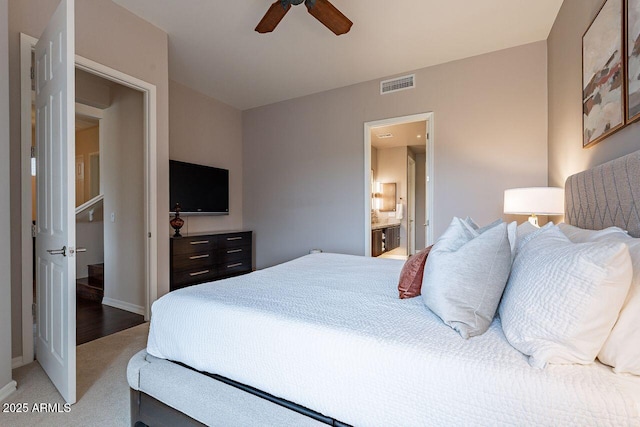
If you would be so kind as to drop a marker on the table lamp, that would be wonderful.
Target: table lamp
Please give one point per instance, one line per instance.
(534, 201)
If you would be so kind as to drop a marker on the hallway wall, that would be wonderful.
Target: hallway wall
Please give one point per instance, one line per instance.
(6, 384)
(124, 234)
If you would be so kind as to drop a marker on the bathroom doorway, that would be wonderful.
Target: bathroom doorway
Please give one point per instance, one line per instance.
(398, 185)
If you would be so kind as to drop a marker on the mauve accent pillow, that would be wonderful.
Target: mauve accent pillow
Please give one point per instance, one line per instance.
(411, 274)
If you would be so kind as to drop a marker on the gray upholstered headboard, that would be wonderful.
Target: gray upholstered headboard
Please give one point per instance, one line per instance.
(606, 195)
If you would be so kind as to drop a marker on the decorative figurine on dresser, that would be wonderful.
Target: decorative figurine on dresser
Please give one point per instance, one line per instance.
(177, 222)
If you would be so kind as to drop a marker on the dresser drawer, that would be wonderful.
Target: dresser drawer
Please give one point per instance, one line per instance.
(193, 245)
(229, 255)
(193, 276)
(204, 258)
(234, 267)
(234, 240)
(198, 260)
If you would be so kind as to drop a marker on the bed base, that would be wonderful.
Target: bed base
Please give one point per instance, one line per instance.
(151, 412)
(278, 401)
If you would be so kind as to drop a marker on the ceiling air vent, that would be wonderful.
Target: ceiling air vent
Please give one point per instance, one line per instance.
(398, 84)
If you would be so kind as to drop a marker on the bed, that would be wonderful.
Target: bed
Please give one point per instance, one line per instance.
(324, 340)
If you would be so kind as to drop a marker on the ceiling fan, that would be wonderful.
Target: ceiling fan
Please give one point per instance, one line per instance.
(322, 10)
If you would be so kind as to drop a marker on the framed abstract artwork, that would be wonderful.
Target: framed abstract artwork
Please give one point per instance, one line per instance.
(603, 74)
(633, 60)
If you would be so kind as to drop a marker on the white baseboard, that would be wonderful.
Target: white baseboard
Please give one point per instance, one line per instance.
(16, 362)
(7, 390)
(123, 305)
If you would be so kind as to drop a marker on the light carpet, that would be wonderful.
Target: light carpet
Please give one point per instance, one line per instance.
(102, 389)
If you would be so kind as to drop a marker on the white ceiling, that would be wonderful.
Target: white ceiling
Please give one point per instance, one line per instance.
(213, 46)
(404, 135)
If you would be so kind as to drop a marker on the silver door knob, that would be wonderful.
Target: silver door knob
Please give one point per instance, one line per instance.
(62, 251)
(77, 250)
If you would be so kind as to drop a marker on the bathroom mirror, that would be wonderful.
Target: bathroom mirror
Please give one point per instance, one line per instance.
(388, 197)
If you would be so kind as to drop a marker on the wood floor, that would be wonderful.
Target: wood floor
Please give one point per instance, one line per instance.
(94, 320)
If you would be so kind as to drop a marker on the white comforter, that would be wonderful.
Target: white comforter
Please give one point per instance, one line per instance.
(328, 332)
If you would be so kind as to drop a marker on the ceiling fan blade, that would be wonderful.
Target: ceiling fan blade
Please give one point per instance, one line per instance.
(272, 18)
(330, 16)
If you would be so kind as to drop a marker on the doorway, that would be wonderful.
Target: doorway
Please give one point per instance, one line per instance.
(399, 185)
(108, 160)
(94, 162)
(97, 146)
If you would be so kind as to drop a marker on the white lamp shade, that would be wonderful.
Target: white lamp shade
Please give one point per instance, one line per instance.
(534, 200)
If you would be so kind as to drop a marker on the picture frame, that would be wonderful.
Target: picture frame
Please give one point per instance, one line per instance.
(632, 23)
(604, 92)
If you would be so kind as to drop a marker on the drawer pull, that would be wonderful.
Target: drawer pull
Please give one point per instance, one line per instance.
(198, 273)
(234, 265)
(234, 251)
(199, 256)
(233, 238)
(199, 242)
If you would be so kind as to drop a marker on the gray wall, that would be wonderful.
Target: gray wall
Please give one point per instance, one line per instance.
(566, 155)
(113, 36)
(205, 131)
(5, 250)
(123, 180)
(304, 162)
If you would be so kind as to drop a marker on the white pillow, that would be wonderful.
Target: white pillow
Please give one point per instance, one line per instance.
(526, 228)
(621, 350)
(582, 235)
(563, 298)
(527, 231)
(465, 274)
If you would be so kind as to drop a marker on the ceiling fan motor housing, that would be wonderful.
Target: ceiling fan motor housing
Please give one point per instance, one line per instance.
(322, 10)
(286, 3)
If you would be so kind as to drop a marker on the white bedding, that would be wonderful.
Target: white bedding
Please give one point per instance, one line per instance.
(328, 332)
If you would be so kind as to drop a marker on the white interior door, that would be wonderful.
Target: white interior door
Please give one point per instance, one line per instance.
(55, 241)
(411, 205)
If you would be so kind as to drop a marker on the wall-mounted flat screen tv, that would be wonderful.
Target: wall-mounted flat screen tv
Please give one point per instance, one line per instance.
(200, 190)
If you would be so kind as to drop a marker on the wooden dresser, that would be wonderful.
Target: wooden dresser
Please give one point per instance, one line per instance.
(207, 257)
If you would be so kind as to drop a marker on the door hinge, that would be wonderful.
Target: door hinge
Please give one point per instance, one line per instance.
(34, 231)
(428, 178)
(149, 234)
(33, 309)
(427, 223)
(33, 74)
(33, 151)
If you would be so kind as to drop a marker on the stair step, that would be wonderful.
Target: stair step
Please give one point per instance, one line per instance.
(97, 266)
(96, 275)
(85, 290)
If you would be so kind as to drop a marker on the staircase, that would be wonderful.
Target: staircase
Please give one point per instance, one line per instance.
(92, 287)
(89, 217)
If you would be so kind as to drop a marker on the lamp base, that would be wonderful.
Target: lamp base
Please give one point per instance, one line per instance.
(533, 219)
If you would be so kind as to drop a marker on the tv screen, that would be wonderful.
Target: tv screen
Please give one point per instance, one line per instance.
(199, 189)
